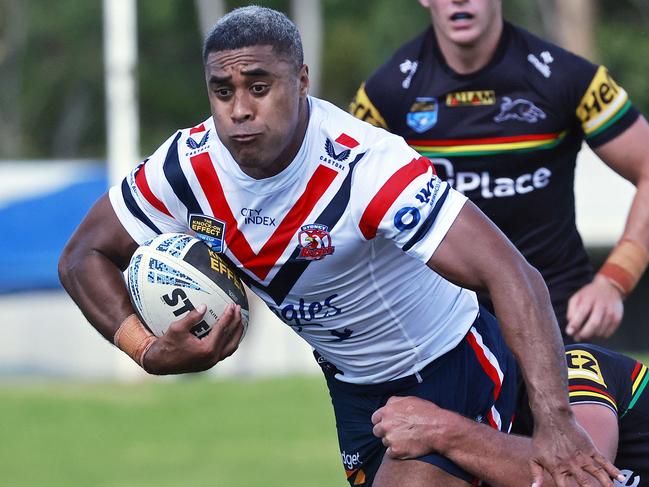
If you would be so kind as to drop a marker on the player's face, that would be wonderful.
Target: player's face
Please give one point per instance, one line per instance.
(465, 22)
(259, 107)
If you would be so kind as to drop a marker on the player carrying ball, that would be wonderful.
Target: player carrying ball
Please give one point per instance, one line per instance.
(385, 303)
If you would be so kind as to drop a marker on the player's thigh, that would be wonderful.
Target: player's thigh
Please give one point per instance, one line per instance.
(414, 473)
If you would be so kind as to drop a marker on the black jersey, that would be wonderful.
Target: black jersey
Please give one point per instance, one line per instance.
(507, 136)
(600, 376)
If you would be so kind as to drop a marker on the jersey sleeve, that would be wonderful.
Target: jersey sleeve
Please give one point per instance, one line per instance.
(364, 109)
(143, 202)
(603, 107)
(592, 377)
(400, 198)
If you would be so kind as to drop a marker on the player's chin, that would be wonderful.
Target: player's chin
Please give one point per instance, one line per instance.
(465, 37)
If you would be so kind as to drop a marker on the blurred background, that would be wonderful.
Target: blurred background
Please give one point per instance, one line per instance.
(88, 89)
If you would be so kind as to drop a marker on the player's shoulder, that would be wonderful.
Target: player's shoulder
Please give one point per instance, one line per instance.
(546, 60)
(185, 143)
(339, 126)
(398, 70)
(598, 353)
(589, 362)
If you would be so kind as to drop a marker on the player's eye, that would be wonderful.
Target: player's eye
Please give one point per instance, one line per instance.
(222, 92)
(259, 88)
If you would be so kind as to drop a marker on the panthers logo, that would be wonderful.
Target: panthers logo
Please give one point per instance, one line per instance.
(519, 109)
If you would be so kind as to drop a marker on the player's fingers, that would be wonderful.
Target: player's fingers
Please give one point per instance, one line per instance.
(188, 321)
(233, 342)
(537, 474)
(609, 470)
(615, 321)
(578, 473)
(573, 302)
(599, 474)
(378, 430)
(593, 326)
(577, 318)
(377, 416)
(222, 327)
(394, 399)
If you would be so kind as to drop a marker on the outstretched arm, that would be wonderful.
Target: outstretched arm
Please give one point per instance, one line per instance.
(596, 309)
(90, 270)
(412, 427)
(476, 255)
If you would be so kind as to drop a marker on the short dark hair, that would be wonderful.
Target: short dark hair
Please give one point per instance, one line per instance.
(255, 26)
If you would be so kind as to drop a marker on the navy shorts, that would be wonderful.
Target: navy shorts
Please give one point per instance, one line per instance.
(476, 379)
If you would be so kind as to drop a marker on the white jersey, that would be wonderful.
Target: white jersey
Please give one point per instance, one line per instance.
(335, 244)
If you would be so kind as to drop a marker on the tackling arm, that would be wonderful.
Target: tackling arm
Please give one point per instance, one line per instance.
(475, 254)
(412, 427)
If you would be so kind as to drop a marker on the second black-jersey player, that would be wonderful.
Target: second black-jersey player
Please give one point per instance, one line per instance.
(607, 378)
(507, 136)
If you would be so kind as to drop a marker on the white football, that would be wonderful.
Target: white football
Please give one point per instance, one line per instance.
(173, 273)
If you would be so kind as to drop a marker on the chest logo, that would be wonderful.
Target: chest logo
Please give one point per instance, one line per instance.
(519, 109)
(314, 242)
(209, 230)
(543, 64)
(582, 365)
(331, 152)
(471, 98)
(422, 115)
(409, 68)
(193, 144)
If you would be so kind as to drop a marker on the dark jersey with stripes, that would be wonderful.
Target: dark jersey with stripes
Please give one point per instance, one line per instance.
(600, 376)
(506, 136)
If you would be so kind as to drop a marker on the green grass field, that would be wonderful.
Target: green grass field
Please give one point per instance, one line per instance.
(192, 432)
(170, 433)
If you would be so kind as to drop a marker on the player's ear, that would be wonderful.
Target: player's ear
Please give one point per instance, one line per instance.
(424, 3)
(303, 77)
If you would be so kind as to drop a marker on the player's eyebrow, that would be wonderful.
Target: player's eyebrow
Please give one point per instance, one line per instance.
(253, 73)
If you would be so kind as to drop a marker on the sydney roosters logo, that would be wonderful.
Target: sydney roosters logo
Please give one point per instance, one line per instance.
(314, 242)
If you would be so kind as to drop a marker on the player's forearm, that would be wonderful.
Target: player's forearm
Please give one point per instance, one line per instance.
(637, 222)
(501, 460)
(628, 261)
(97, 286)
(522, 305)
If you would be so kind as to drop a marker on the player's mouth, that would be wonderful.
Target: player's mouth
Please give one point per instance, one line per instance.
(245, 138)
(461, 17)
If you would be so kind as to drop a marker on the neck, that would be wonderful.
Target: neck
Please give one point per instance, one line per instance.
(471, 57)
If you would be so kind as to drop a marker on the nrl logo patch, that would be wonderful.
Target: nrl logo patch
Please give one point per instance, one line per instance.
(209, 230)
(314, 242)
(422, 115)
